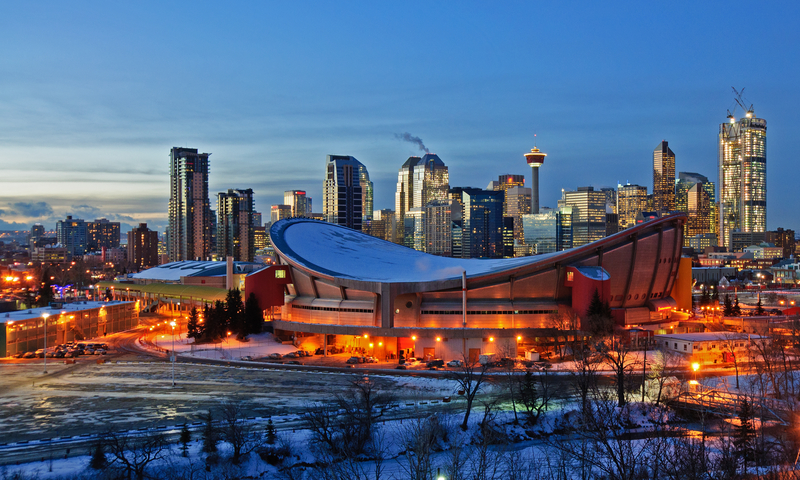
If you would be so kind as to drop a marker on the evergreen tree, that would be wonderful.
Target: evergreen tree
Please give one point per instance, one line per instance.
(744, 434)
(98, 460)
(186, 437)
(728, 312)
(715, 298)
(234, 312)
(272, 435)
(216, 323)
(595, 305)
(194, 329)
(253, 318)
(46, 292)
(759, 307)
(210, 435)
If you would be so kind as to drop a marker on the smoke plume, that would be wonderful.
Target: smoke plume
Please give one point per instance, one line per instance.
(407, 137)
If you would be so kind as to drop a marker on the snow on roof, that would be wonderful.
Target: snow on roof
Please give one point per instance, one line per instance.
(341, 252)
(594, 273)
(173, 271)
(28, 314)
(709, 336)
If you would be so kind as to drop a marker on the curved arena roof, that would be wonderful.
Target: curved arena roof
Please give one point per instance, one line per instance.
(341, 252)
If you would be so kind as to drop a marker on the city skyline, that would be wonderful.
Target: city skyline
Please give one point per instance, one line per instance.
(97, 136)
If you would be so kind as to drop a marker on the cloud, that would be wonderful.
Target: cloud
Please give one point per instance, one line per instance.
(31, 209)
(85, 211)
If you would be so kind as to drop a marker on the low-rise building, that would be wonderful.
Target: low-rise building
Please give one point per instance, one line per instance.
(711, 347)
(24, 330)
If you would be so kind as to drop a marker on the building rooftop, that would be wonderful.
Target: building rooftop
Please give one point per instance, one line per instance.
(173, 271)
(709, 336)
(28, 314)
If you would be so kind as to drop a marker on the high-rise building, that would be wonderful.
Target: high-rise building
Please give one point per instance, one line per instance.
(684, 182)
(366, 194)
(742, 164)
(588, 214)
(257, 222)
(190, 216)
(612, 223)
(343, 191)
(517, 204)
(482, 223)
(419, 181)
(143, 247)
(439, 216)
(235, 235)
(72, 235)
(279, 212)
(663, 178)
(505, 183)
(37, 232)
(611, 199)
(698, 209)
(102, 233)
(298, 201)
(383, 225)
(541, 232)
(414, 229)
(631, 199)
(784, 239)
(535, 159)
(260, 238)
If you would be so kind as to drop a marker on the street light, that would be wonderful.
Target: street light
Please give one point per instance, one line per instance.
(695, 367)
(173, 352)
(44, 355)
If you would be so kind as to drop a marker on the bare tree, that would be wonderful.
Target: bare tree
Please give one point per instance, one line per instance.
(584, 378)
(621, 359)
(535, 393)
(419, 439)
(730, 343)
(469, 378)
(237, 431)
(135, 454)
(345, 427)
(663, 367)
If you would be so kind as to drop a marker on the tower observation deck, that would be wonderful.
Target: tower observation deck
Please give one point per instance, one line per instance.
(535, 159)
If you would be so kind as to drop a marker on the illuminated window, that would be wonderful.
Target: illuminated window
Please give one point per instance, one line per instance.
(280, 273)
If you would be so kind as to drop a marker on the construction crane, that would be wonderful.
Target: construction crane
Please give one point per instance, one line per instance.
(741, 101)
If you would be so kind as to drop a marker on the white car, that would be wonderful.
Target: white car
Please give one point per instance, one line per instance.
(454, 363)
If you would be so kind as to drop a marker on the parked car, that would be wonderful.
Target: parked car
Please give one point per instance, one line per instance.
(401, 367)
(370, 359)
(247, 358)
(275, 356)
(88, 351)
(290, 355)
(29, 355)
(18, 355)
(353, 360)
(294, 362)
(60, 354)
(100, 351)
(39, 353)
(435, 363)
(454, 363)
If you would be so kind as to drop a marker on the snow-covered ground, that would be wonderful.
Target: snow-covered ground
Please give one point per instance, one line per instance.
(256, 346)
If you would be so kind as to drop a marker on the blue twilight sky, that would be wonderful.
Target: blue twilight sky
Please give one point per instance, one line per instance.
(94, 94)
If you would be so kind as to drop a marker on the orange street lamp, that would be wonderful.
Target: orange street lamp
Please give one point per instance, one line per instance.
(695, 368)
(173, 352)
(44, 355)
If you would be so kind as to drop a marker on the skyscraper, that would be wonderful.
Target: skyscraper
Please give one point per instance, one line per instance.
(343, 191)
(588, 214)
(518, 203)
(190, 235)
(742, 164)
(235, 234)
(278, 212)
(535, 159)
(366, 194)
(505, 183)
(631, 199)
(663, 178)
(298, 201)
(482, 223)
(702, 213)
(419, 181)
(439, 216)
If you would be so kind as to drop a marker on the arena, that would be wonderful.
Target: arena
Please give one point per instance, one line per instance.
(352, 289)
